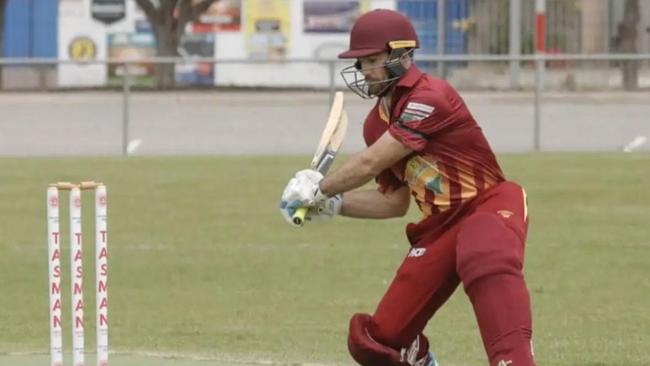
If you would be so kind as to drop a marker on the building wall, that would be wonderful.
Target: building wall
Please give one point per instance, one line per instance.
(30, 28)
(473, 26)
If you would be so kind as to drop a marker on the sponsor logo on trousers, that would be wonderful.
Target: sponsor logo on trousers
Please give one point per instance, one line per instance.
(417, 252)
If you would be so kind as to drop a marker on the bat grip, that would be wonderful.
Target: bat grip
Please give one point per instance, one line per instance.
(298, 217)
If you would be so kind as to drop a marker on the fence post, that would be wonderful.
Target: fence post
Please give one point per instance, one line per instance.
(126, 91)
(515, 42)
(42, 76)
(441, 25)
(540, 64)
(332, 70)
(540, 32)
(537, 107)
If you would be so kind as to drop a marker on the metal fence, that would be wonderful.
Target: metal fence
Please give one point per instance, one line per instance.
(541, 81)
(573, 26)
(477, 45)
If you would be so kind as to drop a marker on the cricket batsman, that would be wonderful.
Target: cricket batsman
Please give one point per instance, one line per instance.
(424, 143)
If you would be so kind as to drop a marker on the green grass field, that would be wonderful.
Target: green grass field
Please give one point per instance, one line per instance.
(202, 266)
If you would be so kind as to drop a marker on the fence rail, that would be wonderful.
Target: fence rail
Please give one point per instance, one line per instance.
(538, 61)
(430, 58)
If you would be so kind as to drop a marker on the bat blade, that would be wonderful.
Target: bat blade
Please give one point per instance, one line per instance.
(333, 128)
(330, 142)
(323, 161)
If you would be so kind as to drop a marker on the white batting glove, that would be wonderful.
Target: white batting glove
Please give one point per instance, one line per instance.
(287, 212)
(328, 208)
(299, 192)
(292, 198)
(309, 174)
(325, 210)
(303, 191)
(313, 176)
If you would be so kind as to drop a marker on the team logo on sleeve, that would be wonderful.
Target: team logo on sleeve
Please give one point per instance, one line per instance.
(416, 112)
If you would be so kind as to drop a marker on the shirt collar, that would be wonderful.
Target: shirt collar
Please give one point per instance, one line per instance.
(411, 76)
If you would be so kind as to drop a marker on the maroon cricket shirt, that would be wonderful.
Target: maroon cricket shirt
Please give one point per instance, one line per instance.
(452, 162)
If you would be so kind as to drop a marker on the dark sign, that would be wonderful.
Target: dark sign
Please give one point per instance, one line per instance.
(108, 11)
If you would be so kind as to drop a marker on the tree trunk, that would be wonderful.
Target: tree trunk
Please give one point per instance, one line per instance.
(168, 19)
(166, 46)
(626, 41)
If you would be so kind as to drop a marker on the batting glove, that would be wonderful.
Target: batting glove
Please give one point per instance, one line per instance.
(328, 208)
(323, 210)
(313, 176)
(299, 192)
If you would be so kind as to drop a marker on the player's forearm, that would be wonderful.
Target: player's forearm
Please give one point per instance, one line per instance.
(372, 204)
(353, 174)
(364, 166)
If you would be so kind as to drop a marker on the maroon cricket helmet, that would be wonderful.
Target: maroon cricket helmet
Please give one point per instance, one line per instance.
(380, 30)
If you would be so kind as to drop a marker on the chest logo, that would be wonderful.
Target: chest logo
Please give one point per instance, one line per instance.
(434, 184)
(421, 172)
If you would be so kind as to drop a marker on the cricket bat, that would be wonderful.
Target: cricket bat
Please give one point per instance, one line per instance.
(330, 142)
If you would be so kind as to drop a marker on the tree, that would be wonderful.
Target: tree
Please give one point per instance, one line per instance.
(626, 42)
(3, 6)
(168, 19)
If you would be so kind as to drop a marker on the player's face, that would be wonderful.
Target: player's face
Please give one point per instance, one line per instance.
(372, 68)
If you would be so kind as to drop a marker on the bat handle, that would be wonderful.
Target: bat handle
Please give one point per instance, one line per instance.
(299, 216)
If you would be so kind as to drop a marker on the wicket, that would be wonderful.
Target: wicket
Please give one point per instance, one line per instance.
(76, 271)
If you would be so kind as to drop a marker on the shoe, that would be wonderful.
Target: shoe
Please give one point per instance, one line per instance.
(429, 360)
(432, 360)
